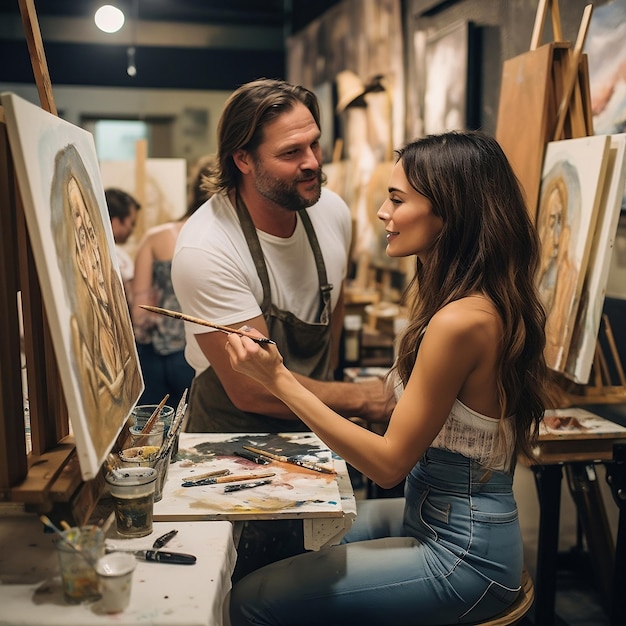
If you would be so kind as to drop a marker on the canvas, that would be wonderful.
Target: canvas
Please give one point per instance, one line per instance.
(165, 193)
(607, 69)
(70, 234)
(584, 340)
(572, 179)
(449, 99)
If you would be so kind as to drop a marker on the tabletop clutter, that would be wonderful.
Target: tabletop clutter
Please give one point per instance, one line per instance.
(134, 478)
(93, 569)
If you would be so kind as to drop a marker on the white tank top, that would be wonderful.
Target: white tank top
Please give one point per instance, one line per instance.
(487, 440)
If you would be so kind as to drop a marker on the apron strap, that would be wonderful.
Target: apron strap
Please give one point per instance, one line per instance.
(252, 239)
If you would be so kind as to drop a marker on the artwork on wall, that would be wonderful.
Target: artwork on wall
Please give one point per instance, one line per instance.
(450, 79)
(584, 339)
(606, 52)
(165, 192)
(607, 67)
(571, 190)
(70, 234)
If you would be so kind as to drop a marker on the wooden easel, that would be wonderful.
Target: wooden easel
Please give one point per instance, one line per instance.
(50, 475)
(602, 389)
(545, 92)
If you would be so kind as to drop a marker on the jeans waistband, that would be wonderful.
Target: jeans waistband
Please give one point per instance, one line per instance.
(447, 470)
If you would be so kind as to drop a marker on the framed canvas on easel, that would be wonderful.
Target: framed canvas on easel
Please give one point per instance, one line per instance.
(70, 232)
(582, 348)
(573, 177)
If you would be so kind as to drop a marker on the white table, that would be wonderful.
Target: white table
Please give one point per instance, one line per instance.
(162, 594)
(325, 502)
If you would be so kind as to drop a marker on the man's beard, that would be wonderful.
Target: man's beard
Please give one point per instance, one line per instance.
(286, 194)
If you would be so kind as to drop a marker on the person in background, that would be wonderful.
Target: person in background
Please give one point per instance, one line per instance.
(472, 386)
(123, 214)
(161, 339)
(269, 249)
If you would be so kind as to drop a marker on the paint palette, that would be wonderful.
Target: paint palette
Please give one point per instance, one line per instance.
(293, 492)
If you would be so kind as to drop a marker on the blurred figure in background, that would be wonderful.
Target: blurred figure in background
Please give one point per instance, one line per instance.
(161, 339)
(123, 214)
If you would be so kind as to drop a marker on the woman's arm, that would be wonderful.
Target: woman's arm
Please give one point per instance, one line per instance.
(448, 354)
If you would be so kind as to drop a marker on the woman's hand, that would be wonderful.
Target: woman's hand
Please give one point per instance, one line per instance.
(262, 362)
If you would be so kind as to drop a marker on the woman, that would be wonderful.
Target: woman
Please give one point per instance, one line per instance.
(472, 375)
(161, 339)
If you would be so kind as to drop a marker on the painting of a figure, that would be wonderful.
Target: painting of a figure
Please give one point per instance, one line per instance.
(571, 186)
(72, 242)
(584, 339)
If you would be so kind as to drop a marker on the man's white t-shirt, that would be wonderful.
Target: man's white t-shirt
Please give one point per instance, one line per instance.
(215, 279)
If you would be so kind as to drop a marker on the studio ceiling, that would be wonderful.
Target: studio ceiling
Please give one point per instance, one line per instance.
(180, 44)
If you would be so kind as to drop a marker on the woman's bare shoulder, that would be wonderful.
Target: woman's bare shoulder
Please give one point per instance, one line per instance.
(469, 315)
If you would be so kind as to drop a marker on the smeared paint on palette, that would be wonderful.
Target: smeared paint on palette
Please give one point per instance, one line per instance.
(293, 492)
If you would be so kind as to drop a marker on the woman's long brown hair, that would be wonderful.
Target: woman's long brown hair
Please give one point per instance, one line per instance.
(488, 244)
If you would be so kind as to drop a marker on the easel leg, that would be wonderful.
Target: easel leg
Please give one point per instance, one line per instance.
(583, 485)
(616, 477)
(548, 481)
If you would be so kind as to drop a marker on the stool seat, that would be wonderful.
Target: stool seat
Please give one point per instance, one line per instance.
(515, 613)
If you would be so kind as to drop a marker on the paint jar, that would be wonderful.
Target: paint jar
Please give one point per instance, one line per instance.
(142, 413)
(80, 581)
(139, 456)
(352, 330)
(132, 491)
(115, 576)
(153, 438)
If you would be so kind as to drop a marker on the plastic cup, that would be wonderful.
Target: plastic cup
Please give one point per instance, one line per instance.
(142, 413)
(146, 456)
(161, 466)
(115, 577)
(153, 438)
(80, 581)
(132, 491)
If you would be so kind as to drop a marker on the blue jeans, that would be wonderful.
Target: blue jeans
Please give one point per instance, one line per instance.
(449, 552)
(163, 373)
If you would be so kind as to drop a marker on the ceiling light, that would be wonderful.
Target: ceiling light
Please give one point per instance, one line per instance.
(109, 18)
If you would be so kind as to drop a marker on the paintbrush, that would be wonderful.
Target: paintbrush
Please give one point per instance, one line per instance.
(155, 416)
(197, 320)
(175, 427)
(50, 524)
(231, 478)
(289, 459)
(242, 486)
(213, 474)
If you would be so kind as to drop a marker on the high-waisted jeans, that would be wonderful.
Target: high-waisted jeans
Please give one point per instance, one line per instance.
(449, 552)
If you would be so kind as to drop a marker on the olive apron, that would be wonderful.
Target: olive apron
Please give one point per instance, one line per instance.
(305, 347)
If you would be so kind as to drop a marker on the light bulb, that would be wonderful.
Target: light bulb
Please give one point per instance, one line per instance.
(131, 69)
(109, 18)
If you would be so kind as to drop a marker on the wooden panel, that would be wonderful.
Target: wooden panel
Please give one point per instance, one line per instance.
(523, 126)
(12, 437)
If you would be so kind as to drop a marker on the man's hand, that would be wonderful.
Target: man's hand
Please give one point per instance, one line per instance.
(379, 400)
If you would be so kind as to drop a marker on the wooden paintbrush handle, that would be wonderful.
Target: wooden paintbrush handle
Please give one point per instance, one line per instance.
(152, 420)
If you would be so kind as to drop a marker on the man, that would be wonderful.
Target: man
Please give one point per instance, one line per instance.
(123, 214)
(268, 250)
